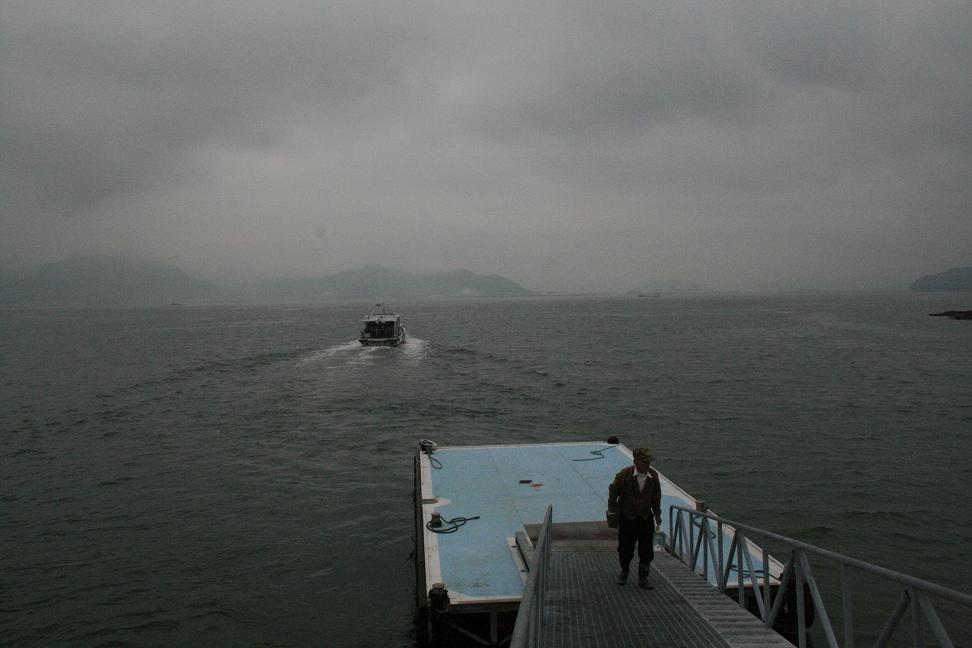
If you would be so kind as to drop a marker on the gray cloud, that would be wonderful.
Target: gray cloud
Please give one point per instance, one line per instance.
(566, 145)
(109, 97)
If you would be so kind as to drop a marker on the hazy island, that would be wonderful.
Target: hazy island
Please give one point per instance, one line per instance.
(953, 280)
(111, 281)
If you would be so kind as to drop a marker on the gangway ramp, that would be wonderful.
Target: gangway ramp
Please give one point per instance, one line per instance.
(584, 605)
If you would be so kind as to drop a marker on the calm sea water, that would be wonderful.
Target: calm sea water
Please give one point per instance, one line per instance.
(243, 475)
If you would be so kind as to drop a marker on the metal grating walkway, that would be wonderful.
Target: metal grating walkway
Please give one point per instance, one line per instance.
(586, 608)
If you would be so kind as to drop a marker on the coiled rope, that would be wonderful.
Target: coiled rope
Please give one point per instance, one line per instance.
(597, 454)
(455, 522)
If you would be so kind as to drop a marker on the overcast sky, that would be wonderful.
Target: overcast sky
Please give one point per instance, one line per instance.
(566, 145)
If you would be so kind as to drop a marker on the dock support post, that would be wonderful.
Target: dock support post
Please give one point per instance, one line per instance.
(438, 615)
(721, 577)
(917, 621)
(800, 601)
(848, 603)
(766, 581)
(740, 545)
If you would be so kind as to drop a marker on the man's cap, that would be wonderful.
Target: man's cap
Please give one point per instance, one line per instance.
(642, 454)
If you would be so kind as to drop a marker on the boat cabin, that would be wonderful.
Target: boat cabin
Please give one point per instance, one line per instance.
(382, 328)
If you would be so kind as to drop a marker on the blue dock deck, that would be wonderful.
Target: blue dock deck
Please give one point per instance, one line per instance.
(509, 488)
(472, 567)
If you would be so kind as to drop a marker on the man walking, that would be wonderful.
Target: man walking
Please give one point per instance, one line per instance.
(634, 506)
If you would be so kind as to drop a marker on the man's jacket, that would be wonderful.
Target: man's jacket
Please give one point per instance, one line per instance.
(623, 493)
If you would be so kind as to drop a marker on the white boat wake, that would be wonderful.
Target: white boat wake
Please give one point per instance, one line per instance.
(323, 354)
(415, 347)
(412, 349)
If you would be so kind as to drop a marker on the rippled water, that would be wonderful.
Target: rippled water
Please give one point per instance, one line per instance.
(243, 475)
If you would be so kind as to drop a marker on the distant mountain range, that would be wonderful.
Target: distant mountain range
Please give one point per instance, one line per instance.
(954, 280)
(109, 281)
(376, 282)
(120, 282)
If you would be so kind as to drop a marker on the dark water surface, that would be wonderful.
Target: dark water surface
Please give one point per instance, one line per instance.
(243, 475)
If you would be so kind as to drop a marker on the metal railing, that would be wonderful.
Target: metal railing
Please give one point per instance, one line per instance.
(528, 630)
(684, 521)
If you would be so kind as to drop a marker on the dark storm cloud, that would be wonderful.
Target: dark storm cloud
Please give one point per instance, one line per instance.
(567, 144)
(110, 97)
(910, 59)
(602, 75)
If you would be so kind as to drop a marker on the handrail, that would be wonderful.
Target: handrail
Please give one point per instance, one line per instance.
(527, 631)
(916, 590)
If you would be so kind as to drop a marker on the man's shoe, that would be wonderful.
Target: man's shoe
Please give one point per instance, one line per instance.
(623, 577)
(643, 571)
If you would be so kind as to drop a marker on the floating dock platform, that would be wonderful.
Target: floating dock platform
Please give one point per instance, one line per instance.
(478, 509)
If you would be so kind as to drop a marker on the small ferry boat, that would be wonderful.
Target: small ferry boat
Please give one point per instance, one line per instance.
(382, 328)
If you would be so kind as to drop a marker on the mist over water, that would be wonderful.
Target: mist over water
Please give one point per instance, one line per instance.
(243, 475)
